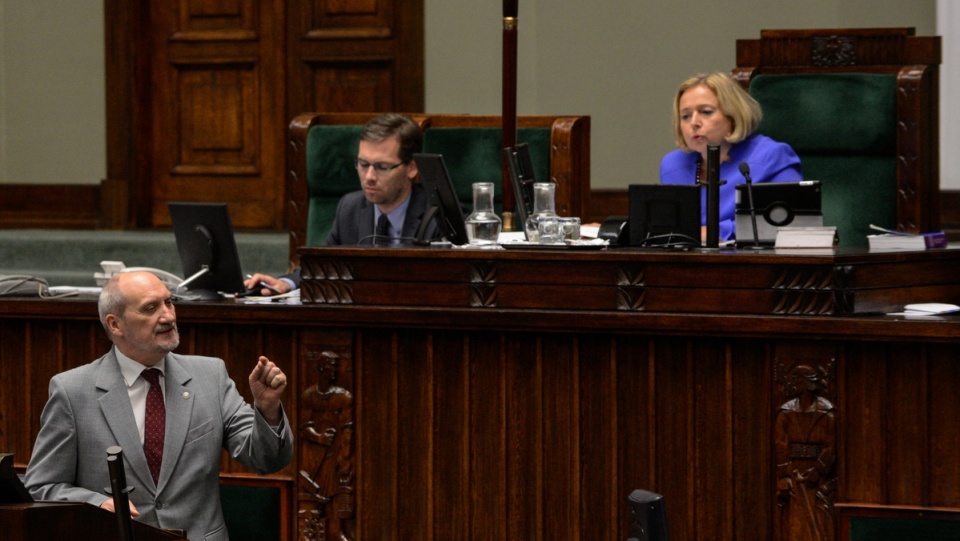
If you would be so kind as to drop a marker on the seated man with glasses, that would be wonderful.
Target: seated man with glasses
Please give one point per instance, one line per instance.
(389, 206)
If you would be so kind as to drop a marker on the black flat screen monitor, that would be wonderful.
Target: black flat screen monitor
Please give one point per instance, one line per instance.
(664, 215)
(208, 251)
(444, 205)
(11, 487)
(649, 516)
(520, 168)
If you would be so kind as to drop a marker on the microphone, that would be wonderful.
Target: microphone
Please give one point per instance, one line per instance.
(745, 171)
(713, 196)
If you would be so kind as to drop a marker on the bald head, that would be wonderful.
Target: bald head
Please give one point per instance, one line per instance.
(137, 312)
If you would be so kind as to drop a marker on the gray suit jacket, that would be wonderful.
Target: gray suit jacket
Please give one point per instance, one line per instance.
(89, 410)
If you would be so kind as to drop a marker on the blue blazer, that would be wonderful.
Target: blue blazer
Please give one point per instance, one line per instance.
(769, 161)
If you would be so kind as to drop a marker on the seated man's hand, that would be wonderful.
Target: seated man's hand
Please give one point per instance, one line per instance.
(109, 506)
(274, 286)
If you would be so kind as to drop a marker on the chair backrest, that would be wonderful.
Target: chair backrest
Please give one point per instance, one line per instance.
(323, 146)
(873, 522)
(860, 108)
(252, 513)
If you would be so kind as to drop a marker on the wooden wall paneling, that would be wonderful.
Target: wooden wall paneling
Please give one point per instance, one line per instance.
(450, 501)
(524, 402)
(487, 425)
(943, 431)
(906, 425)
(752, 395)
(415, 409)
(711, 399)
(862, 401)
(20, 400)
(636, 399)
(600, 494)
(377, 392)
(562, 491)
(674, 418)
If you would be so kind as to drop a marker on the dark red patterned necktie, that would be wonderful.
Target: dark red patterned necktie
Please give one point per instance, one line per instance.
(154, 423)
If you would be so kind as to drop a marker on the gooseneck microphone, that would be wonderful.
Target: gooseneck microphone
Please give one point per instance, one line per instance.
(745, 171)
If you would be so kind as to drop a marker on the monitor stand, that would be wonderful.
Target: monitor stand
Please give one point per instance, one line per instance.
(428, 216)
(187, 294)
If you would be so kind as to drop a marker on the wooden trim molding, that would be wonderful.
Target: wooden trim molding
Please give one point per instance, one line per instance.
(49, 206)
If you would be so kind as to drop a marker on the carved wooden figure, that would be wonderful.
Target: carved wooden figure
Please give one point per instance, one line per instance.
(326, 511)
(805, 452)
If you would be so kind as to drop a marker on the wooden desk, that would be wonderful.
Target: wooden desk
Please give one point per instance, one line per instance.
(535, 418)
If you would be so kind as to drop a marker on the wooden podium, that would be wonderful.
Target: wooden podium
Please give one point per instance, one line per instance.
(24, 520)
(72, 520)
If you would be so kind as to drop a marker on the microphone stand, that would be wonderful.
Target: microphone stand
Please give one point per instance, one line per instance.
(713, 196)
(119, 490)
(745, 171)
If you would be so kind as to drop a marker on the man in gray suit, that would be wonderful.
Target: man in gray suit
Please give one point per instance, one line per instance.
(388, 195)
(107, 403)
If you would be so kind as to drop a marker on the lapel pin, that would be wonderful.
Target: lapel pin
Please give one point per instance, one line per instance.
(186, 395)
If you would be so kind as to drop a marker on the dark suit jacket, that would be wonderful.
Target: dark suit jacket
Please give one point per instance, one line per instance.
(89, 410)
(353, 223)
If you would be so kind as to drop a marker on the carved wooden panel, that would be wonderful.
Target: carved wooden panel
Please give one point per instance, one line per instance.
(215, 19)
(216, 134)
(355, 55)
(805, 449)
(326, 448)
(356, 85)
(216, 79)
(338, 19)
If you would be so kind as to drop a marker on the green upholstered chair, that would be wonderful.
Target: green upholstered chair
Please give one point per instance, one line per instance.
(468, 151)
(869, 522)
(323, 146)
(255, 512)
(860, 108)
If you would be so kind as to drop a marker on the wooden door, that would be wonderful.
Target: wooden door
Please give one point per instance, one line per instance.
(355, 55)
(200, 93)
(217, 121)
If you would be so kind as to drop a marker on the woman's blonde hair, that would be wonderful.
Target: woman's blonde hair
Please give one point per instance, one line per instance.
(734, 102)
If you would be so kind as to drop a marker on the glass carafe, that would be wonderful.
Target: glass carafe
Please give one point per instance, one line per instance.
(483, 224)
(544, 213)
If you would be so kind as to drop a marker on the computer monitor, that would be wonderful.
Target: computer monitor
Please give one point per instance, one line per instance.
(522, 177)
(649, 516)
(444, 205)
(664, 215)
(11, 487)
(208, 251)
